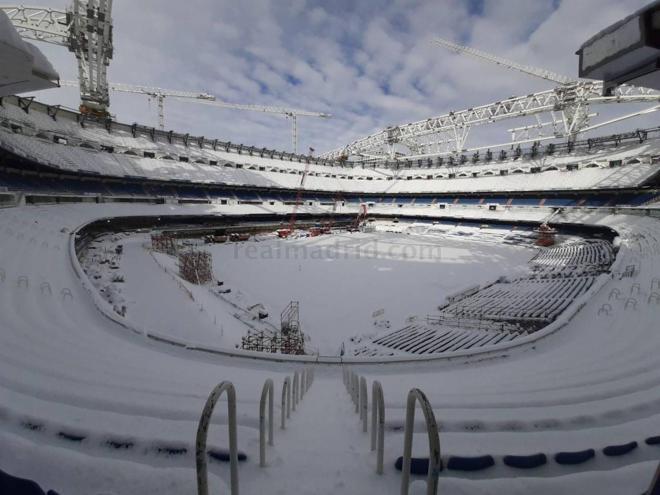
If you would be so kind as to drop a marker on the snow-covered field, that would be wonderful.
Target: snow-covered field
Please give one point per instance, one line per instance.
(400, 272)
(74, 384)
(340, 280)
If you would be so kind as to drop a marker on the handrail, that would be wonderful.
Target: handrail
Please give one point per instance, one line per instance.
(435, 462)
(286, 401)
(202, 433)
(309, 378)
(364, 403)
(296, 381)
(266, 391)
(355, 391)
(378, 424)
(655, 483)
(303, 382)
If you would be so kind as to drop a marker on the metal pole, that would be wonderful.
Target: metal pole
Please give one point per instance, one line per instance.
(266, 391)
(295, 390)
(435, 462)
(161, 111)
(202, 433)
(295, 132)
(364, 403)
(377, 430)
(286, 404)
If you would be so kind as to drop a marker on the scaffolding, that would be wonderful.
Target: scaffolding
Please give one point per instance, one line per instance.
(290, 318)
(292, 343)
(196, 266)
(289, 340)
(164, 243)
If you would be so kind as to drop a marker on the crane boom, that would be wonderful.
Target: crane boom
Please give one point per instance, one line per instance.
(159, 93)
(525, 69)
(266, 109)
(291, 113)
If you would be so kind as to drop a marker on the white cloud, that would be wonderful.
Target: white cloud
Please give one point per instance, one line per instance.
(368, 63)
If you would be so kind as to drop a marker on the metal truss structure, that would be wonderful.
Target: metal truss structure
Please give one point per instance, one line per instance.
(201, 97)
(159, 94)
(568, 106)
(291, 113)
(85, 29)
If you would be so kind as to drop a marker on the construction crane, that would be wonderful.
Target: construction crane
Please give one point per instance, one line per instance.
(200, 97)
(567, 104)
(575, 114)
(525, 69)
(291, 113)
(159, 94)
(85, 28)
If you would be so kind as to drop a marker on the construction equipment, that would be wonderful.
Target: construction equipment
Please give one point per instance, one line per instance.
(575, 111)
(201, 97)
(289, 339)
(299, 192)
(525, 69)
(85, 28)
(360, 218)
(336, 202)
(575, 108)
(291, 113)
(567, 105)
(159, 94)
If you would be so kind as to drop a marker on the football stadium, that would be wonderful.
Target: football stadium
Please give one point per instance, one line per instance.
(468, 303)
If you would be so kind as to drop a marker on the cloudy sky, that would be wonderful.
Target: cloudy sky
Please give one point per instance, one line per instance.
(369, 63)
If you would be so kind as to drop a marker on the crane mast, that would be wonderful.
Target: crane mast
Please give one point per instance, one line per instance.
(283, 233)
(85, 28)
(291, 113)
(202, 97)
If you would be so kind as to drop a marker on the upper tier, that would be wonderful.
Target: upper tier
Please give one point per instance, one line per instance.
(62, 139)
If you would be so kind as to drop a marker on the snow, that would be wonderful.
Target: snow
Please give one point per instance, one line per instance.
(252, 170)
(65, 367)
(406, 275)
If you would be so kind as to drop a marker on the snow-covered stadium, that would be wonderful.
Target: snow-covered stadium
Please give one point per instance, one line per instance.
(510, 293)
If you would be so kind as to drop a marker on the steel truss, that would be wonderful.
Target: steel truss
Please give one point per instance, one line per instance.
(86, 30)
(568, 107)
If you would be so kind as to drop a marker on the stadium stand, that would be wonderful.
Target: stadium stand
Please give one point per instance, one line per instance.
(118, 150)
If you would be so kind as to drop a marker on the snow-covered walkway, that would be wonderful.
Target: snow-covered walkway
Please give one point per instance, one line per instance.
(323, 449)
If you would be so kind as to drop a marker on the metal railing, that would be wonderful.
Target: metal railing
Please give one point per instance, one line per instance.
(378, 424)
(296, 390)
(286, 401)
(202, 433)
(435, 461)
(364, 403)
(301, 384)
(356, 386)
(266, 392)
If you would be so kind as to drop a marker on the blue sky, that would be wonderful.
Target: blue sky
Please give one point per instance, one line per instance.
(368, 63)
